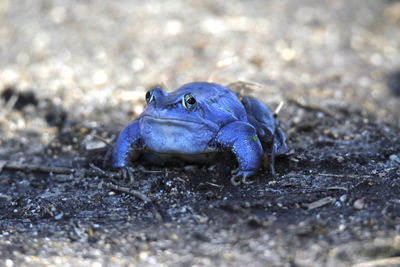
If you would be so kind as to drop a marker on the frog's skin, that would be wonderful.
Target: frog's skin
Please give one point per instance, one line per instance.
(196, 121)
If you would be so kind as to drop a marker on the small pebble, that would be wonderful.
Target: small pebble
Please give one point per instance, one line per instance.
(59, 216)
(343, 198)
(143, 255)
(359, 204)
(100, 77)
(9, 263)
(211, 168)
(395, 158)
(340, 159)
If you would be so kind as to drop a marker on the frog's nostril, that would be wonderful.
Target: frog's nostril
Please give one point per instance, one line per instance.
(156, 93)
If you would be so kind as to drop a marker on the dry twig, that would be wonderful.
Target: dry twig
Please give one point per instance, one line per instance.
(37, 168)
(129, 191)
(278, 109)
(2, 164)
(319, 203)
(62, 170)
(394, 261)
(215, 185)
(94, 167)
(338, 188)
(105, 141)
(312, 107)
(345, 175)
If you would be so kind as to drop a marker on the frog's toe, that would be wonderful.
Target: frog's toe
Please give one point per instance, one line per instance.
(122, 173)
(272, 165)
(131, 177)
(242, 177)
(245, 180)
(269, 162)
(126, 174)
(236, 180)
(235, 171)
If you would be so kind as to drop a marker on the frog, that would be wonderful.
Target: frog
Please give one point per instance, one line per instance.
(195, 122)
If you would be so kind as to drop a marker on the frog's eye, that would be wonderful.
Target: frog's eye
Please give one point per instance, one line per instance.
(189, 101)
(150, 96)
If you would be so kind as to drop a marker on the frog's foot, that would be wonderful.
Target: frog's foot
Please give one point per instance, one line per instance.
(126, 174)
(269, 161)
(272, 163)
(241, 177)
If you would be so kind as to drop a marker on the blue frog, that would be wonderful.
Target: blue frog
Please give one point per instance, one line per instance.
(195, 122)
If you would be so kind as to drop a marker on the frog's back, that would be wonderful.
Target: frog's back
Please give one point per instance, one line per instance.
(217, 100)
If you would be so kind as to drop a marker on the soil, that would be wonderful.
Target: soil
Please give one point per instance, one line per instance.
(72, 75)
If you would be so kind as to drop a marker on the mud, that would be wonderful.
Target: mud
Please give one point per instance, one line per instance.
(64, 99)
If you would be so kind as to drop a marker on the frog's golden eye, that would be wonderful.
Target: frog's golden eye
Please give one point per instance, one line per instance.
(189, 101)
(150, 96)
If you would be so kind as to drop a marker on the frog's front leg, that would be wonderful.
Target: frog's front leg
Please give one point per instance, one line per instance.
(128, 146)
(241, 138)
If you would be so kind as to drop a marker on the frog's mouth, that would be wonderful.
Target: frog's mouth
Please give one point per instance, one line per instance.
(175, 136)
(169, 121)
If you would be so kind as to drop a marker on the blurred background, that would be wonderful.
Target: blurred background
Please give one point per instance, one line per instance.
(71, 71)
(92, 56)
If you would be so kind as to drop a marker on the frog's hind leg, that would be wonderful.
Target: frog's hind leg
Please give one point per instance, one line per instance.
(279, 146)
(266, 123)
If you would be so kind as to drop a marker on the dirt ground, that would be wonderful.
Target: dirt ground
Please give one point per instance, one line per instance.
(73, 74)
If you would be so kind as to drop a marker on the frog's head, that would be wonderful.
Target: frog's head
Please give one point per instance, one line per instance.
(177, 105)
(176, 122)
